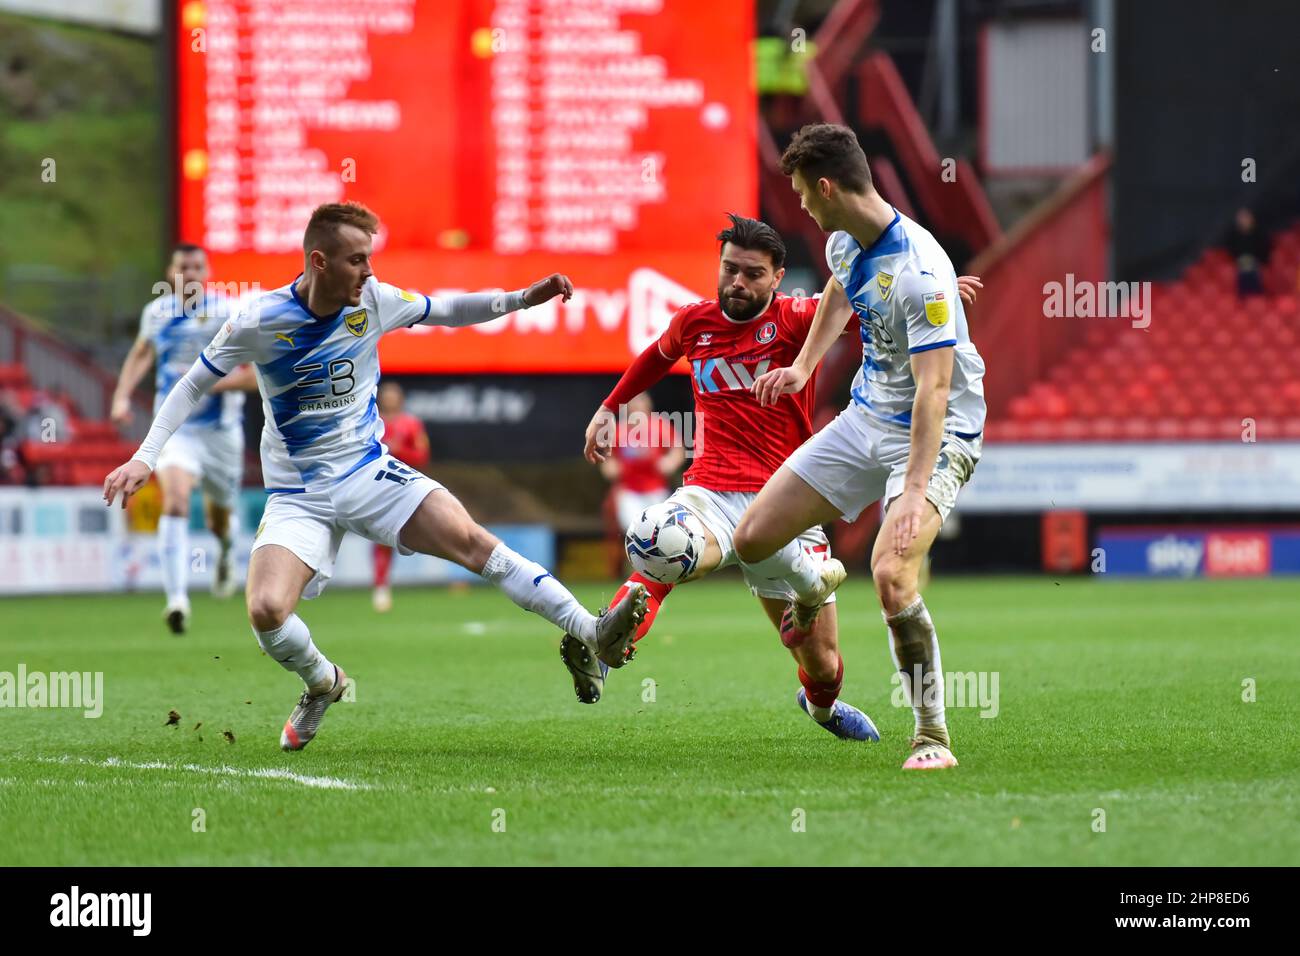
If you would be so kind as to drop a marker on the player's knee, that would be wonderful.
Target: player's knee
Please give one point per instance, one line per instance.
(175, 507)
(891, 577)
(469, 545)
(267, 611)
(749, 542)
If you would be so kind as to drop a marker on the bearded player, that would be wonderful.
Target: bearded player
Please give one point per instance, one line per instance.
(729, 341)
(911, 434)
(314, 345)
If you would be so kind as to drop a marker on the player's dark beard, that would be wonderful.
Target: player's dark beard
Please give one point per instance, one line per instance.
(739, 310)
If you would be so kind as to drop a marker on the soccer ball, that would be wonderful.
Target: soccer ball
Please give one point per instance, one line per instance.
(665, 543)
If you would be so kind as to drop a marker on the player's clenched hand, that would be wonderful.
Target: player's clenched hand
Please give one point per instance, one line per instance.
(543, 290)
(780, 381)
(600, 435)
(967, 287)
(908, 510)
(127, 480)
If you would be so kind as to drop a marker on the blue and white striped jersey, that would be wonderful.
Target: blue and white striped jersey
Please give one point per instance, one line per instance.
(904, 291)
(318, 378)
(178, 335)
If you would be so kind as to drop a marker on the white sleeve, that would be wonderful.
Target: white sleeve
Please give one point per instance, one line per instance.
(473, 308)
(235, 344)
(930, 306)
(180, 401)
(399, 309)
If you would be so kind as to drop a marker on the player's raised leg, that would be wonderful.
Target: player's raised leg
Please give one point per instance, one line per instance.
(588, 689)
(276, 578)
(766, 542)
(174, 545)
(914, 644)
(821, 672)
(442, 527)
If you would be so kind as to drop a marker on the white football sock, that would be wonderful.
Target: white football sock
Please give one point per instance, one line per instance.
(174, 556)
(914, 645)
(791, 564)
(535, 589)
(821, 714)
(290, 645)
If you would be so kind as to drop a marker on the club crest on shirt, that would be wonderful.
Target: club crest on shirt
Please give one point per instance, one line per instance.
(884, 282)
(765, 334)
(356, 322)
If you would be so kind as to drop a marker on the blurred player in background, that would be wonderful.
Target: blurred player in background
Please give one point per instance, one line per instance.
(639, 470)
(315, 346)
(911, 434)
(406, 440)
(209, 448)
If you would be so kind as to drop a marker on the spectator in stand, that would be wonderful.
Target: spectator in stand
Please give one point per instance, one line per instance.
(1249, 247)
(406, 440)
(47, 419)
(645, 455)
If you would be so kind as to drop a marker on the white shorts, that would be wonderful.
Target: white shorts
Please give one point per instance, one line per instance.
(215, 456)
(630, 504)
(857, 460)
(375, 501)
(721, 510)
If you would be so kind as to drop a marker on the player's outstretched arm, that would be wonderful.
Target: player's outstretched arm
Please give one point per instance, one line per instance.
(181, 400)
(475, 307)
(646, 369)
(833, 311)
(137, 363)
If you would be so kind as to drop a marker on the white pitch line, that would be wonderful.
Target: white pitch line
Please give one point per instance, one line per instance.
(263, 773)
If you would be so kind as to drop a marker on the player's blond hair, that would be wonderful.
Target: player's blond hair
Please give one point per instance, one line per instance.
(323, 228)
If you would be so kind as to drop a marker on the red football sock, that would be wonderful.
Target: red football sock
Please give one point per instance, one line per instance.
(822, 693)
(655, 594)
(383, 561)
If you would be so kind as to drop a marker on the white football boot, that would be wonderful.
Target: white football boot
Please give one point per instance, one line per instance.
(305, 720)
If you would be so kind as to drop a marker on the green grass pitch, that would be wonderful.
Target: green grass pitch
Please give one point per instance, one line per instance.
(465, 746)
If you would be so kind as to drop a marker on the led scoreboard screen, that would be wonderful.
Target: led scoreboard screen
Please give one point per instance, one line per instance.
(497, 141)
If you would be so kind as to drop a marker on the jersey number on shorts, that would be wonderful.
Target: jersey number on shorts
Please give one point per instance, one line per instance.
(340, 370)
(395, 473)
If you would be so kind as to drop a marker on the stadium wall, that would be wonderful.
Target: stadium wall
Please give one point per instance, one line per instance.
(63, 540)
(1200, 90)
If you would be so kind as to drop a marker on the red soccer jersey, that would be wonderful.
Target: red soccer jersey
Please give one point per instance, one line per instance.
(737, 443)
(638, 455)
(404, 435)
